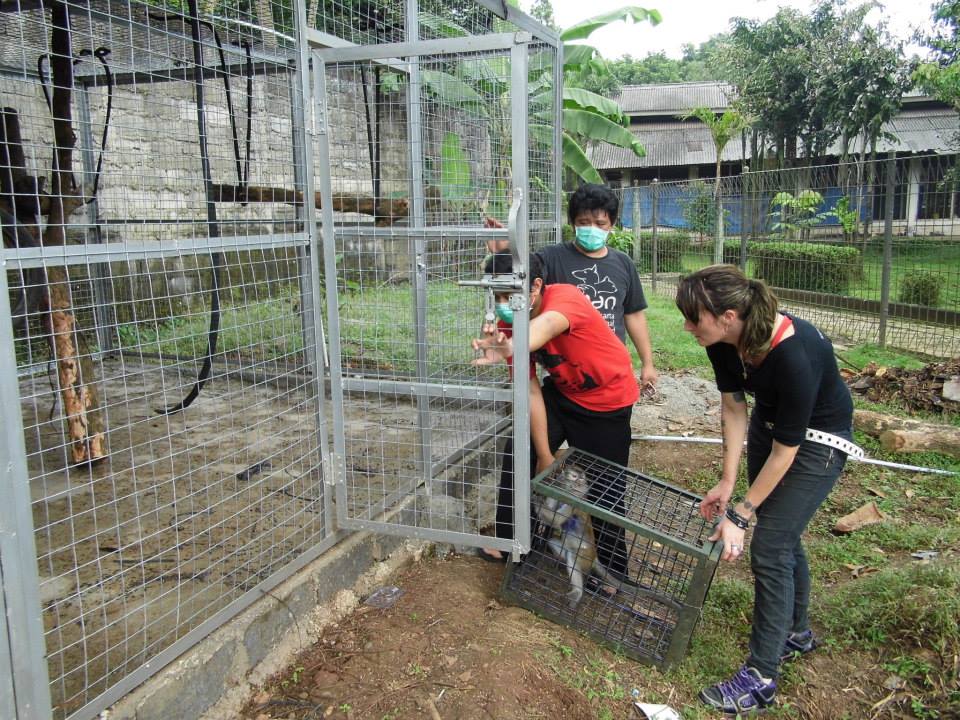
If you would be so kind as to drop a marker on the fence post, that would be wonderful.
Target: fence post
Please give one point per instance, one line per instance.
(744, 180)
(636, 223)
(654, 259)
(718, 240)
(887, 245)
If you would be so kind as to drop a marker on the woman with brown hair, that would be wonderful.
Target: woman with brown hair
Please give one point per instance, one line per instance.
(797, 438)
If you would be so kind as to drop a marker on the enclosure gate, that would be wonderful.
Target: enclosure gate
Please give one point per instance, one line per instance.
(399, 321)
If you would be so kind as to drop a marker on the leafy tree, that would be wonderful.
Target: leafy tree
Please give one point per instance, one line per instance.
(941, 76)
(723, 128)
(542, 10)
(703, 62)
(810, 79)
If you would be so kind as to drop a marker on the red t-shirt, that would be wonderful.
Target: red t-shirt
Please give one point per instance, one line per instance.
(588, 363)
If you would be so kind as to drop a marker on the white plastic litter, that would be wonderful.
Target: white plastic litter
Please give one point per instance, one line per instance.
(652, 711)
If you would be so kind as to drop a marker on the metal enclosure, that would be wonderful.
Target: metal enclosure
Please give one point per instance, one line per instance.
(233, 237)
(669, 561)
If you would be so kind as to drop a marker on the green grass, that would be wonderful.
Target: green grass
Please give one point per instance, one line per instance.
(912, 605)
(673, 347)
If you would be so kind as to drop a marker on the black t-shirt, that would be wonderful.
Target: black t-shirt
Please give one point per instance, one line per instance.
(611, 282)
(796, 386)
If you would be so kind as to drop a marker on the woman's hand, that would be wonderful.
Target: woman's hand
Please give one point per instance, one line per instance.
(714, 503)
(495, 346)
(732, 538)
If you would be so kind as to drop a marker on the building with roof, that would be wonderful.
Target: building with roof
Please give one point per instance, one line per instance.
(924, 136)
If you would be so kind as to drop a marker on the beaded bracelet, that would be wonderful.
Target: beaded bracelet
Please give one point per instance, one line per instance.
(736, 518)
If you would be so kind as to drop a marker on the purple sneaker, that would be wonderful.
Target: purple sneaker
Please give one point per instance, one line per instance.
(798, 644)
(746, 692)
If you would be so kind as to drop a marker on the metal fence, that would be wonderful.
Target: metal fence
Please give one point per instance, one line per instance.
(202, 212)
(869, 251)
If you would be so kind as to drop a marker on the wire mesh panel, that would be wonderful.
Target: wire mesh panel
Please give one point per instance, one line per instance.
(653, 532)
(823, 238)
(155, 238)
(433, 154)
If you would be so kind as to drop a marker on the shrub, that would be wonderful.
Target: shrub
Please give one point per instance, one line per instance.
(731, 251)
(806, 266)
(700, 209)
(920, 287)
(621, 240)
(671, 247)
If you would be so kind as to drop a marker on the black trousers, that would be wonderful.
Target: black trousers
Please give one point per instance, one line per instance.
(605, 434)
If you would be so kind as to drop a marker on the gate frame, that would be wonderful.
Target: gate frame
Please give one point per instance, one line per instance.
(518, 44)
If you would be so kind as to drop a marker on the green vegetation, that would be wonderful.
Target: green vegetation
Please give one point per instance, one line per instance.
(807, 266)
(673, 348)
(920, 287)
(858, 357)
(913, 258)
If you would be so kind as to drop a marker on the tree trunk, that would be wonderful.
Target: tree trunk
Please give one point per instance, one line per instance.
(387, 210)
(946, 442)
(81, 405)
(904, 435)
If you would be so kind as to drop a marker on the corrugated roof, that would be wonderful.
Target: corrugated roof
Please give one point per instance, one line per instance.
(923, 131)
(678, 143)
(667, 143)
(674, 98)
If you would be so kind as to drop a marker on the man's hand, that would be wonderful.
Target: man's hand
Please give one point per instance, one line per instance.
(648, 376)
(495, 346)
(489, 222)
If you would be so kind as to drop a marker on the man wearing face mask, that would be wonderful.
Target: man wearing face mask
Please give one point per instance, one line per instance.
(604, 274)
(586, 399)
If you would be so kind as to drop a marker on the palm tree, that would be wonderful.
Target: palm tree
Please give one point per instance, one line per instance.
(723, 128)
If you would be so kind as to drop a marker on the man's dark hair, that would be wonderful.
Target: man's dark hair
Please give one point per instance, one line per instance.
(591, 196)
(502, 264)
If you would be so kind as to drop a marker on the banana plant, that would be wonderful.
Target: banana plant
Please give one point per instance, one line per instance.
(478, 86)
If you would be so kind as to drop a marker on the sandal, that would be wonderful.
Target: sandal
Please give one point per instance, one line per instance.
(483, 554)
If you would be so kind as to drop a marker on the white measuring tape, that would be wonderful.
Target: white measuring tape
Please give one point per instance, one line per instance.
(855, 452)
(845, 446)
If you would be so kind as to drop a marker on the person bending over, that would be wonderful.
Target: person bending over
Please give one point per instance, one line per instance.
(586, 398)
(789, 368)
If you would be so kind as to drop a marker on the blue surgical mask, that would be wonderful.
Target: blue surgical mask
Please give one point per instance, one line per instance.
(504, 312)
(591, 238)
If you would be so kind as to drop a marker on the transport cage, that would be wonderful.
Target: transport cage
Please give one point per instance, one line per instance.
(669, 561)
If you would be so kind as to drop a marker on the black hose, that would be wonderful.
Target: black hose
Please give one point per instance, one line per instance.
(216, 258)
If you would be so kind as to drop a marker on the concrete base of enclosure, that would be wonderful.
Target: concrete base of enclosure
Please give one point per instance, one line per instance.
(214, 679)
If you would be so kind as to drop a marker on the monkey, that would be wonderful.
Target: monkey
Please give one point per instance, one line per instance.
(572, 540)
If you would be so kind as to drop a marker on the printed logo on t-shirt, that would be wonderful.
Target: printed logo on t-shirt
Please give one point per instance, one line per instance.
(601, 292)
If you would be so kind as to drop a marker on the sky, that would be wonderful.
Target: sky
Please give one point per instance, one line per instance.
(694, 21)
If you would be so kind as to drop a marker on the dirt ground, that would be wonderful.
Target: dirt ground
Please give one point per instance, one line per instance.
(451, 648)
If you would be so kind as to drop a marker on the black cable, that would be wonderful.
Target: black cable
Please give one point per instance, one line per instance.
(216, 258)
(44, 80)
(101, 54)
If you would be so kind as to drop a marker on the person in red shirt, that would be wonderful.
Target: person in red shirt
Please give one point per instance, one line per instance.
(586, 398)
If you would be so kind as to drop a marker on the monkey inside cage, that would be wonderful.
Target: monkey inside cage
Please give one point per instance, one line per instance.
(644, 594)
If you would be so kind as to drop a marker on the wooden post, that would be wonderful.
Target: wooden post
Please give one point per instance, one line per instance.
(81, 405)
